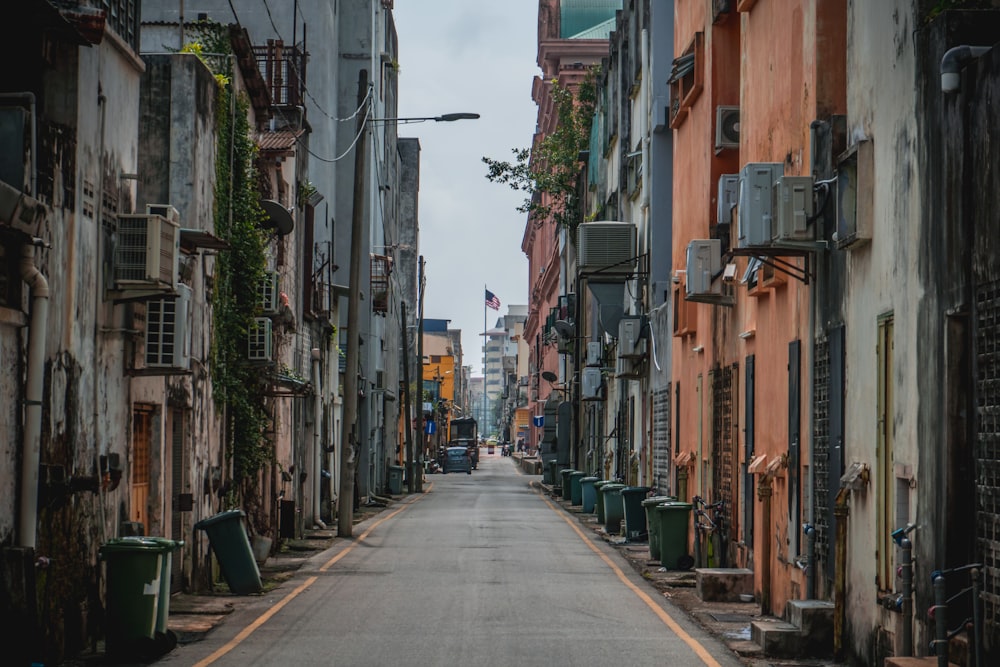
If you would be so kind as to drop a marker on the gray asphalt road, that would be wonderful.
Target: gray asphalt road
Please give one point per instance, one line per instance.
(482, 570)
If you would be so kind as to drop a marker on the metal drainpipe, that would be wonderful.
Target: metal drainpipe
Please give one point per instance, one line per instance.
(317, 440)
(841, 511)
(810, 531)
(764, 492)
(32, 449)
(953, 61)
(906, 590)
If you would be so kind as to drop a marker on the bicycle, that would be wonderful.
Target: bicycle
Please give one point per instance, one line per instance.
(710, 528)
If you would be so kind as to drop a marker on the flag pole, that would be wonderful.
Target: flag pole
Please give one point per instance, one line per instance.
(483, 428)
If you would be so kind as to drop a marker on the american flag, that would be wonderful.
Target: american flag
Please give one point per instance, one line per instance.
(492, 301)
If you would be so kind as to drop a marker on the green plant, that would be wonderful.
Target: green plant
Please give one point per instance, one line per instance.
(237, 386)
(548, 173)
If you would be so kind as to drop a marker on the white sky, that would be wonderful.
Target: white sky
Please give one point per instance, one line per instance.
(468, 56)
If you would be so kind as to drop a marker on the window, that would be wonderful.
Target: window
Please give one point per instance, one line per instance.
(687, 79)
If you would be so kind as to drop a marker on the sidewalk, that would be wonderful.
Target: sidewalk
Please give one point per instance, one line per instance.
(727, 621)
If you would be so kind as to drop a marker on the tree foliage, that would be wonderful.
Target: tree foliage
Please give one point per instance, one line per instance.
(548, 173)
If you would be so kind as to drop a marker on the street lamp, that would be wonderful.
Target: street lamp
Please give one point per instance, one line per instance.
(443, 118)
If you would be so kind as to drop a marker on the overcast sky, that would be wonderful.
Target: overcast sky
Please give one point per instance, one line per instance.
(467, 55)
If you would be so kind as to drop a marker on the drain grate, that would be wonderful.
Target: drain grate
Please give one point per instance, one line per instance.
(731, 618)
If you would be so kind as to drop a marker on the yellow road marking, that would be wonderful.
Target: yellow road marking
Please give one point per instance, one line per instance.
(266, 616)
(693, 643)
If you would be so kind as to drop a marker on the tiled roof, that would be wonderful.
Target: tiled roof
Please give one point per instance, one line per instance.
(282, 140)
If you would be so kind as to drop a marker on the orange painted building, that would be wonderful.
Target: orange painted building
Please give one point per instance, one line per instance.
(741, 346)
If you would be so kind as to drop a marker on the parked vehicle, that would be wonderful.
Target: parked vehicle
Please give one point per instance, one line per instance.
(457, 459)
(464, 432)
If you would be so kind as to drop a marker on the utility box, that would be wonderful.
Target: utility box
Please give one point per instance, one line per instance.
(756, 203)
(793, 197)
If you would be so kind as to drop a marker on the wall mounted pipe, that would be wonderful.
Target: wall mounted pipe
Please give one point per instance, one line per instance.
(317, 441)
(32, 447)
(952, 62)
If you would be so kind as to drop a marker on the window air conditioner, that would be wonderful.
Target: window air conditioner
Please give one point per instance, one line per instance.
(595, 353)
(793, 196)
(168, 331)
(267, 292)
(607, 245)
(259, 340)
(628, 369)
(146, 253)
(756, 203)
(727, 127)
(591, 385)
(704, 263)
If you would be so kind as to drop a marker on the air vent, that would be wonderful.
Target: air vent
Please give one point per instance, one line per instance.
(146, 253)
(607, 246)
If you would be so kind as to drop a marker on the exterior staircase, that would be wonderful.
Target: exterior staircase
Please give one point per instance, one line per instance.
(806, 630)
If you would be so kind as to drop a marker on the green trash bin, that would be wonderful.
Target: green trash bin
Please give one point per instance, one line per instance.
(564, 490)
(588, 494)
(599, 499)
(395, 479)
(653, 523)
(232, 547)
(550, 474)
(634, 514)
(163, 607)
(674, 517)
(575, 490)
(614, 511)
(134, 574)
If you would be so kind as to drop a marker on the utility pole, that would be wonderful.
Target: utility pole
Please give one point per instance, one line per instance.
(410, 468)
(420, 370)
(349, 439)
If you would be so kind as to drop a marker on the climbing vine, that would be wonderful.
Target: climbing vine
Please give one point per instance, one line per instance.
(238, 386)
(552, 168)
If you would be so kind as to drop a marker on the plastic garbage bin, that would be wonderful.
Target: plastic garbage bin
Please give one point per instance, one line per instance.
(134, 572)
(564, 491)
(551, 473)
(232, 547)
(395, 479)
(634, 514)
(614, 512)
(599, 499)
(575, 490)
(674, 517)
(653, 523)
(588, 494)
(163, 607)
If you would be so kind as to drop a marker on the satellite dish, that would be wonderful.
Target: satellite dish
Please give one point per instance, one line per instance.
(565, 328)
(549, 376)
(278, 217)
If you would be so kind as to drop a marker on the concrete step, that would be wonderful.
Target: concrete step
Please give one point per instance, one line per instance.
(724, 584)
(930, 661)
(811, 616)
(776, 638)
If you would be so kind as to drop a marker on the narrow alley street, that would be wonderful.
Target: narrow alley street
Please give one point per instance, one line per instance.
(480, 570)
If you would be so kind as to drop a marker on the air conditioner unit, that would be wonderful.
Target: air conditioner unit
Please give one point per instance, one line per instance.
(595, 353)
(168, 331)
(592, 385)
(793, 197)
(606, 245)
(629, 369)
(259, 340)
(727, 127)
(267, 292)
(729, 188)
(756, 203)
(146, 253)
(166, 210)
(704, 263)
(629, 335)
